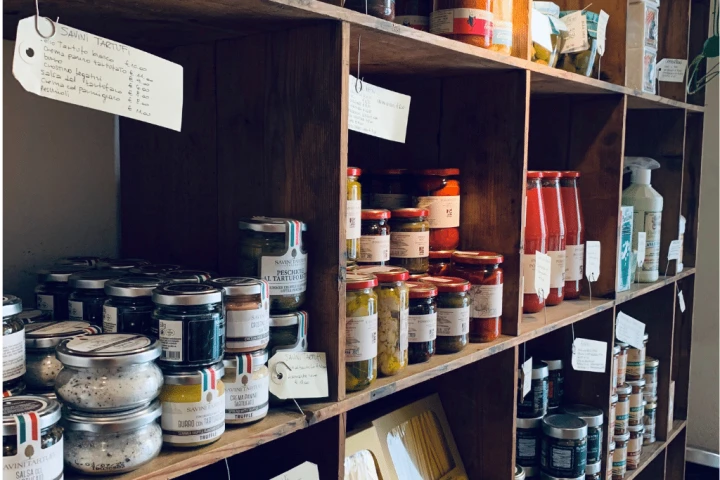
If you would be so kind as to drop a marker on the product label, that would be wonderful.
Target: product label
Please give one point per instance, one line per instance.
(120, 343)
(527, 449)
(452, 322)
(413, 21)
(622, 413)
(649, 222)
(109, 319)
(352, 214)
(194, 422)
(33, 462)
(387, 201)
(577, 37)
(634, 446)
(537, 401)
(444, 211)
(557, 268)
(171, 340)
(374, 248)
(409, 244)
(422, 328)
(287, 274)
(45, 302)
(247, 328)
(75, 310)
(594, 439)
(486, 301)
(502, 33)
(528, 264)
(563, 461)
(465, 21)
(361, 338)
(246, 398)
(619, 465)
(13, 355)
(635, 364)
(404, 314)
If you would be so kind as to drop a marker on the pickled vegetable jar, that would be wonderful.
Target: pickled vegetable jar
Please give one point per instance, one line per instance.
(352, 213)
(361, 331)
(467, 21)
(414, 13)
(546, 50)
(556, 235)
(13, 346)
(438, 190)
(410, 239)
(574, 234)
(387, 189)
(52, 293)
(584, 61)
(247, 313)
(422, 322)
(453, 313)
(375, 239)
(440, 261)
(129, 306)
(483, 271)
(535, 241)
(288, 332)
(384, 9)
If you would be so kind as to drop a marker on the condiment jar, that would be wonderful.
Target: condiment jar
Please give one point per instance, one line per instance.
(440, 262)
(192, 399)
(375, 238)
(32, 438)
(619, 463)
(622, 410)
(593, 471)
(247, 387)
(410, 239)
(120, 263)
(246, 307)
(564, 446)
(79, 261)
(153, 269)
(652, 366)
(88, 295)
(636, 361)
(584, 62)
(18, 388)
(634, 446)
(273, 249)
(453, 313)
(186, 276)
(388, 189)
(556, 236)
(467, 21)
(636, 398)
(622, 362)
(109, 372)
(288, 332)
(422, 321)
(612, 413)
(384, 9)
(615, 367)
(649, 420)
(13, 345)
(104, 444)
(361, 331)
(188, 320)
(535, 241)
(33, 315)
(129, 305)
(610, 456)
(352, 213)
(438, 191)
(483, 270)
(53, 291)
(594, 419)
(574, 234)
(535, 403)
(414, 13)
(556, 382)
(528, 436)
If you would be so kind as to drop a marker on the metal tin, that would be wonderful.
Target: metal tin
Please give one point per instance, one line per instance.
(108, 350)
(186, 294)
(48, 411)
(75, 420)
(564, 427)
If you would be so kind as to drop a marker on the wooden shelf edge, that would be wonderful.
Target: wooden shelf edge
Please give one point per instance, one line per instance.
(639, 289)
(650, 452)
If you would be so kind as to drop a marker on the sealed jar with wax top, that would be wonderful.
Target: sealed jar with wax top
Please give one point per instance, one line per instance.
(483, 270)
(535, 240)
(88, 297)
(535, 403)
(453, 313)
(53, 291)
(440, 262)
(384, 9)
(247, 387)
(361, 331)
(422, 321)
(129, 305)
(564, 446)
(619, 463)
(193, 406)
(410, 239)
(387, 189)
(414, 13)
(622, 362)
(622, 410)
(272, 249)
(574, 234)
(288, 332)
(636, 361)
(375, 238)
(352, 213)
(556, 236)
(186, 276)
(528, 436)
(438, 191)
(636, 399)
(246, 304)
(556, 383)
(594, 419)
(467, 21)
(13, 342)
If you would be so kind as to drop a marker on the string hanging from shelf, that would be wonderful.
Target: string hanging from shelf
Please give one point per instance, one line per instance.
(711, 49)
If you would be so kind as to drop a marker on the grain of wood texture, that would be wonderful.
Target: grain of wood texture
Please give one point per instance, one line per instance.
(521, 29)
(682, 346)
(699, 20)
(675, 457)
(569, 311)
(673, 34)
(692, 162)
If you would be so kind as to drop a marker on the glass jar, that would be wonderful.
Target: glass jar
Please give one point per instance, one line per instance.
(153, 269)
(574, 234)
(564, 446)
(384, 9)
(542, 52)
(246, 306)
(636, 398)
(622, 410)
(410, 239)
(79, 261)
(634, 446)
(440, 262)
(610, 457)
(352, 213)
(593, 471)
(37, 446)
(502, 26)
(483, 270)
(361, 331)
(467, 21)
(190, 399)
(556, 383)
(652, 365)
(129, 305)
(528, 435)
(532, 473)
(556, 236)
(615, 367)
(188, 319)
(120, 263)
(41, 339)
(422, 321)
(13, 345)
(288, 332)
(649, 421)
(393, 312)
(438, 191)
(108, 372)
(375, 238)
(186, 276)
(273, 249)
(33, 315)
(583, 62)
(453, 313)
(612, 413)
(594, 419)
(247, 384)
(414, 13)
(622, 362)
(387, 189)
(102, 444)
(88, 295)
(18, 388)
(418, 277)
(535, 403)
(53, 291)
(636, 361)
(535, 241)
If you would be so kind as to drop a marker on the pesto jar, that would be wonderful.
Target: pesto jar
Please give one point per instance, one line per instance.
(453, 313)
(375, 237)
(129, 306)
(410, 239)
(247, 387)
(13, 342)
(88, 295)
(361, 329)
(564, 446)
(352, 213)
(594, 419)
(422, 322)
(273, 249)
(53, 291)
(288, 332)
(246, 304)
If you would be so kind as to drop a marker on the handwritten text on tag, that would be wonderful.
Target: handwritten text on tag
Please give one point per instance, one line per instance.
(629, 330)
(671, 70)
(577, 39)
(378, 112)
(543, 264)
(298, 375)
(306, 471)
(641, 242)
(589, 355)
(527, 376)
(681, 301)
(592, 260)
(674, 250)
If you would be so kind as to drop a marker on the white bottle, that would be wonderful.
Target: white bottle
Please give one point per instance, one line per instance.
(647, 206)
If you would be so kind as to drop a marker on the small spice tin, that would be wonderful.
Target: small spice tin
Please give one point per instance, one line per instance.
(594, 419)
(13, 345)
(649, 421)
(246, 302)
(528, 437)
(288, 332)
(186, 276)
(53, 291)
(247, 387)
(109, 444)
(440, 262)
(622, 362)
(422, 321)
(88, 295)
(622, 410)
(361, 329)
(375, 238)
(564, 446)
(453, 313)
(410, 239)
(619, 464)
(634, 446)
(153, 269)
(535, 402)
(652, 365)
(636, 399)
(129, 306)
(556, 381)
(636, 361)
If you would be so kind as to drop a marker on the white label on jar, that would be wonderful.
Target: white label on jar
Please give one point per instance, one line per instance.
(35, 463)
(247, 328)
(486, 301)
(444, 211)
(361, 338)
(389, 201)
(409, 244)
(374, 248)
(194, 422)
(502, 33)
(574, 256)
(75, 310)
(422, 328)
(119, 343)
(649, 222)
(171, 340)
(452, 322)
(352, 214)
(404, 313)
(247, 397)
(287, 274)
(45, 303)
(109, 319)
(557, 268)
(13, 355)
(528, 264)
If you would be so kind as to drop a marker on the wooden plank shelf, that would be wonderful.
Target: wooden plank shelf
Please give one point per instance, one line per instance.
(638, 289)
(652, 451)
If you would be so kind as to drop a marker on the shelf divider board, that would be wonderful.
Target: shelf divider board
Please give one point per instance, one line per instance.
(682, 345)
(675, 457)
(692, 162)
(673, 21)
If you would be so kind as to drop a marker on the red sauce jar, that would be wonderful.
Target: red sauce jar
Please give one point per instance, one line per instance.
(574, 234)
(535, 240)
(556, 235)
(440, 261)
(483, 271)
(438, 190)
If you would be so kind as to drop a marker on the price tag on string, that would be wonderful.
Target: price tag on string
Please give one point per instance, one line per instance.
(603, 18)
(577, 39)
(526, 376)
(681, 301)
(543, 265)
(671, 70)
(305, 471)
(641, 243)
(298, 375)
(629, 330)
(541, 30)
(592, 260)
(674, 250)
(377, 111)
(589, 355)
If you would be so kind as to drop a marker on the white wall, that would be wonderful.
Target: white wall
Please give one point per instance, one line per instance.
(59, 183)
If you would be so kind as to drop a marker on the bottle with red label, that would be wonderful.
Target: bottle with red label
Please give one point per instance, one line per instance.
(468, 21)
(574, 234)
(556, 235)
(535, 240)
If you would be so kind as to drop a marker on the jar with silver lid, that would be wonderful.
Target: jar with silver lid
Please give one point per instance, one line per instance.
(288, 332)
(33, 315)
(110, 444)
(109, 372)
(13, 346)
(531, 473)
(619, 465)
(564, 446)
(53, 291)
(88, 295)
(612, 413)
(528, 437)
(636, 399)
(120, 263)
(247, 387)
(519, 473)
(556, 382)
(129, 305)
(634, 446)
(246, 305)
(593, 471)
(535, 403)
(153, 269)
(622, 410)
(594, 419)
(79, 260)
(652, 366)
(186, 276)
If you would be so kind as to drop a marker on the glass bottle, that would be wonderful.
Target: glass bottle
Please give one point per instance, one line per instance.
(574, 234)
(535, 240)
(556, 235)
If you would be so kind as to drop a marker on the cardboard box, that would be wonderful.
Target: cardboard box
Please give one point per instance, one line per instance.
(625, 257)
(640, 69)
(642, 26)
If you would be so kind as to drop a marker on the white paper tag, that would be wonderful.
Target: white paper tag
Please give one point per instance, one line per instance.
(306, 471)
(298, 375)
(527, 376)
(378, 112)
(681, 301)
(577, 39)
(641, 242)
(543, 265)
(674, 250)
(541, 30)
(629, 330)
(601, 29)
(589, 355)
(83, 69)
(592, 260)
(671, 70)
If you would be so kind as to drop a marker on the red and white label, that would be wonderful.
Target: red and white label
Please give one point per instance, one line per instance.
(574, 256)
(414, 21)
(409, 244)
(374, 248)
(464, 21)
(444, 211)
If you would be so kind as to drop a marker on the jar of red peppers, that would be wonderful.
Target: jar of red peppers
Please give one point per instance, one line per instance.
(375, 238)
(556, 235)
(438, 190)
(483, 271)
(468, 21)
(422, 321)
(388, 189)
(440, 261)
(453, 313)
(574, 234)
(414, 13)
(535, 240)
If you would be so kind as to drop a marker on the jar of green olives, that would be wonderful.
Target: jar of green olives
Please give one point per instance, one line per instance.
(410, 239)
(352, 213)
(361, 329)
(453, 313)
(288, 332)
(422, 322)
(582, 60)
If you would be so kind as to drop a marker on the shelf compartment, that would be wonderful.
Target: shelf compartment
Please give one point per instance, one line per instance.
(682, 346)
(639, 289)
(675, 457)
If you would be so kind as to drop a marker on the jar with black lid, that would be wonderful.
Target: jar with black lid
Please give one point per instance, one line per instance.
(564, 446)
(188, 319)
(186, 276)
(528, 437)
(422, 322)
(129, 306)
(593, 471)
(375, 237)
(556, 382)
(153, 269)
(594, 419)
(410, 239)
(88, 295)
(13, 346)
(120, 263)
(288, 332)
(453, 313)
(53, 291)
(535, 403)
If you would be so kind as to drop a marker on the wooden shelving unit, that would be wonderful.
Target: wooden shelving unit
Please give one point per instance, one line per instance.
(265, 132)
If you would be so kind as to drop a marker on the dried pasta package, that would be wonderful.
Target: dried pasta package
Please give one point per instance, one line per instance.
(361, 466)
(364, 457)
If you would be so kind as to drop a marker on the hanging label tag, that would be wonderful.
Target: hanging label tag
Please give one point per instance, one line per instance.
(589, 355)
(674, 250)
(298, 375)
(577, 39)
(592, 260)
(681, 301)
(526, 376)
(83, 69)
(641, 242)
(629, 330)
(541, 31)
(543, 264)
(601, 29)
(306, 471)
(671, 70)
(378, 112)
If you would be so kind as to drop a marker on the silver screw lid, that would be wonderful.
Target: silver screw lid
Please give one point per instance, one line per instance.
(12, 305)
(60, 273)
(133, 286)
(565, 427)
(539, 370)
(120, 263)
(529, 422)
(258, 359)
(153, 269)
(242, 286)
(51, 334)
(93, 279)
(286, 319)
(48, 411)
(78, 260)
(108, 350)
(187, 294)
(75, 420)
(269, 224)
(593, 416)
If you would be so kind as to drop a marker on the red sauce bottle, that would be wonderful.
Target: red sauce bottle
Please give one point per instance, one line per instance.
(556, 235)
(535, 240)
(574, 234)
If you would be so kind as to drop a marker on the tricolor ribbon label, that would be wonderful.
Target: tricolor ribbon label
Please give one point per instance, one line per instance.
(28, 431)
(209, 379)
(244, 364)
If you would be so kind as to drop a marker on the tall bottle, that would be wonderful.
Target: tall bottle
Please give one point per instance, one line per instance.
(574, 234)
(535, 240)
(555, 234)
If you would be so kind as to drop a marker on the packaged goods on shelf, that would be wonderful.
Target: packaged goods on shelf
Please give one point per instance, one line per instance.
(548, 33)
(622, 363)
(79, 260)
(581, 57)
(652, 366)
(574, 234)
(642, 24)
(120, 263)
(387, 189)
(634, 446)
(422, 322)
(361, 331)
(622, 409)
(88, 294)
(352, 213)
(288, 332)
(555, 236)
(384, 9)
(247, 313)
(13, 343)
(153, 269)
(467, 21)
(186, 276)
(440, 261)
(649, 420)
(129, 305)
(640, 67)
(18, 388)
(453, 313)
(536, 232)
(594, 419)
(53, 291)
(556, 384)
(247, 387)
(625, 265)
(636, 398)
(528, 439)
(636, 361)
(502, 26)
(610, 456)
(410, 239)
(414, 13)
(375, 237)
(593, 471)
(34, 315)
(564, 446)
(438, 191)
(535, 403)
(620, 455)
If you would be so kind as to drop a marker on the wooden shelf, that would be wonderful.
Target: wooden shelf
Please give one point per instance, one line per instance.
(650, 452)
(571, 311)
(638, 289)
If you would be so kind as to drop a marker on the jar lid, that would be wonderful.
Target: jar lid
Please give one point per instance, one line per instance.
(186, 276)
(186, 294)
(636, 428)
(547, 476)
(418, 277)
(120, 263)
(611, 447)
(358, 281)
(389, 171)
(438, 172)
(108, 350)
(12, 305)
(449, 284)
(636, 383)
(79, 260)
(271, 224)
(616, 349)
(477, 258)
(531, 472)
(206, 376)
(534, 174)
(353, 172)
(385, 274)
(554, 364)
(242, 286)
(563, 426)
(624, 389)
(614, 398)
(410, 212)
(437, 254)
(623, 437)
(650, 404)
(622, 344)
(551, 174)
(539, 370)
(33, 315)
(519, 473)
(94, 279)
(78, 421)
(258, 359)
(287, 319)
(422, 290)
(593, 468)
(60, 273)
(47, 410)
(51, 334)
(592, 416)
(153, 269)
(375, 214)
(131, 286)
(652, 362)
(529, 422)
(570, 174)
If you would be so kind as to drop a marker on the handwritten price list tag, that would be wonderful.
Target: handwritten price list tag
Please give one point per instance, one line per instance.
(526, 374)
(592, 260)
(589, 355)
(298, 375)
(629, 330)
(378, 112)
